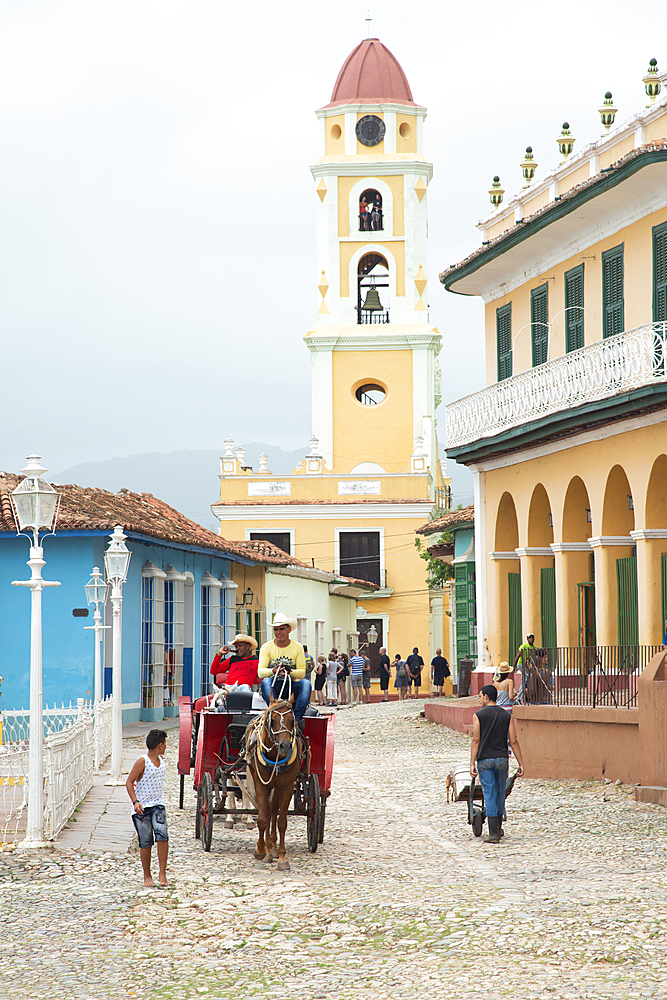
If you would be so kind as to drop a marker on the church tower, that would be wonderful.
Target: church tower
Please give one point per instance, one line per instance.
(372, 476)
(375, 377)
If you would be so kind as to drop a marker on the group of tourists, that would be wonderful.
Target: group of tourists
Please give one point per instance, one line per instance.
(370, 214)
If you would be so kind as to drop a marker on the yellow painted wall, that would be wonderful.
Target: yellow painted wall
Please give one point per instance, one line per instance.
(536, 203)
(364, 150)
(316, 487)
(334, 145)
(408, 607)
(619, 149)
(657, 129)
(348, 250)
(638, 292)
(408, 143)
(384, 433)
(609, 469)
(577, 176)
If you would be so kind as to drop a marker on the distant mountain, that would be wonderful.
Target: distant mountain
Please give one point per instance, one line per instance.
(188, 480)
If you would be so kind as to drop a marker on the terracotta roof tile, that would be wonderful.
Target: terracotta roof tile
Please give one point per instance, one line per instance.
(89, 509)
(448, 521)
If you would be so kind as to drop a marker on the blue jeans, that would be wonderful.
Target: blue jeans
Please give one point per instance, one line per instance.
(300, 689)
(151, 825)
(493, 778)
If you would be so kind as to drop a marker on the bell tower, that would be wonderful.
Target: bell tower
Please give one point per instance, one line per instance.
(375, 377)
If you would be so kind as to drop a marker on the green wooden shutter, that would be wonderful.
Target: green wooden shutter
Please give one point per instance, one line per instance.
(539, 318)
(462, 609)
(548, 606)
(504, 341)
(612, 292)
(660, 273)
(238, 622)
(574, 308)
(258, 627)
(628, 602)
(472, 612)
(515, 633)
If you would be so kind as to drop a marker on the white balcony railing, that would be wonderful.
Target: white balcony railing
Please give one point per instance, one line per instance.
(623, 362)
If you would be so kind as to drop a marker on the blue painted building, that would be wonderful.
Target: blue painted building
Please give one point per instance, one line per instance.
(179, 601)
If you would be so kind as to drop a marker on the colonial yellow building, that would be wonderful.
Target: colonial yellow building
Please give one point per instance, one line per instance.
(372, 475)
(568, 441)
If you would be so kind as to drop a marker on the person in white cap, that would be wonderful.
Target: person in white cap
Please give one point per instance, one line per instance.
(281, 658)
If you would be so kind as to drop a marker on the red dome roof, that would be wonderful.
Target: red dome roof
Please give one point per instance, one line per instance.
(371, 75)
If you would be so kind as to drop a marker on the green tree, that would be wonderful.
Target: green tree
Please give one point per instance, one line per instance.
(438, 571)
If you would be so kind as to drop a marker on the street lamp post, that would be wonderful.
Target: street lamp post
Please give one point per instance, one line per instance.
(96, 590)
(116, 562)
(35, 504)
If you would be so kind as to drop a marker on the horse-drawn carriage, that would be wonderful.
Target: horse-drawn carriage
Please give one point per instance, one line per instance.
(213, 743)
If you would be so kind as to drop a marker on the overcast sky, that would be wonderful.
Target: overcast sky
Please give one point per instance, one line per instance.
(157, 238)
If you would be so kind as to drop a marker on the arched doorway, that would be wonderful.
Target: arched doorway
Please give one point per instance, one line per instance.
(577, 566)
(541, 560)
(508, 580)
(370, 211)
(618, 520)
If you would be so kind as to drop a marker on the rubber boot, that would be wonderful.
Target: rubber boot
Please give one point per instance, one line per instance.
(494, 835)
(501, 832)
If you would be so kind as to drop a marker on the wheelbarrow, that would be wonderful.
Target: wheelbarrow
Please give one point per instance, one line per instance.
(468, 789)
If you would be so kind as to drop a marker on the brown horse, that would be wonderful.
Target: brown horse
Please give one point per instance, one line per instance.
(274, 752)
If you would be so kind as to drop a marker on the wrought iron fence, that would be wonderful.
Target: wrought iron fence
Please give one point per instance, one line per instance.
(591, 676)
(376, 316)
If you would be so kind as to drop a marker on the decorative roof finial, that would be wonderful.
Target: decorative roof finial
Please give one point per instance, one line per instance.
(240, 454)
(607, 113)
(528, 166)
(263, 464)
(368, 22)
(229, 444)
(314, 447)
(652, 84)
(565, 142)
(496, 192)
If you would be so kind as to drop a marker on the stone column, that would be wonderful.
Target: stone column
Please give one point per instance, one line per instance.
(651, 543)
(607, 549)
(498, 621)
(572, 567)
(533, 561)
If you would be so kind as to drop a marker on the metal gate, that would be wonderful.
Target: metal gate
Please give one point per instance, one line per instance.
(628, 601)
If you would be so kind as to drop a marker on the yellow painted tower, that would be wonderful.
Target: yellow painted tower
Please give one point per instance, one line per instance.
(372, 475)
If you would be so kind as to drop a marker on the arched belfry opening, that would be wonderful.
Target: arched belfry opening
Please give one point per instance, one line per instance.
(372, 275)
(370, 211)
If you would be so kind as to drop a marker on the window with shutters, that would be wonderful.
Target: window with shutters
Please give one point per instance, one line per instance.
(539, 320)
(360, 555)
(574, 309)
(660, 273)
(504, 341)
(281, 539)
(613, 320)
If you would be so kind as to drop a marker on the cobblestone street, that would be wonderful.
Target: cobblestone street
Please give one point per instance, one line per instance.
(400, 901)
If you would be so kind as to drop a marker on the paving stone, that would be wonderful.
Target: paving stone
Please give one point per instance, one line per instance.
(399, 901)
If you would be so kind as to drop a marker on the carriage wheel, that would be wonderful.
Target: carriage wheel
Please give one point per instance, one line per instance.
(314, 813)
(207, 812)
(200, 792)
(477, 823)
(181, 793)
(323, 811)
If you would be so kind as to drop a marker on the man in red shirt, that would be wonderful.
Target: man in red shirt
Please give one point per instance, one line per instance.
(240, 667)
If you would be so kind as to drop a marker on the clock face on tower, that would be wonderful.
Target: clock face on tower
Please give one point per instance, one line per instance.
(370, 130)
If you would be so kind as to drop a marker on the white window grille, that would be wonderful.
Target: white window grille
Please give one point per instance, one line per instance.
(352, 641)
(319, 637)
(210, 626)
(174, 629)
(301, 629)
(152, 635)
(336, 635)
(227, 609)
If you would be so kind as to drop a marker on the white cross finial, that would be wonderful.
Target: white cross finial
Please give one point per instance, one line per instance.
(368, 22)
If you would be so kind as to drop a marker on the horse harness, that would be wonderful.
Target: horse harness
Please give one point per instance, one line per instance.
(255, 745)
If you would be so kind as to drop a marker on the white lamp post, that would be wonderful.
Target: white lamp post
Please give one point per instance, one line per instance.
(35, 504)
(116, 562)
(96, 590)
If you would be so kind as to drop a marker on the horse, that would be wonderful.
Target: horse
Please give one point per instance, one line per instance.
(274, 751)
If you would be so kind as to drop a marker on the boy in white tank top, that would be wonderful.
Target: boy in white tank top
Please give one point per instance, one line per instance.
(145, 785)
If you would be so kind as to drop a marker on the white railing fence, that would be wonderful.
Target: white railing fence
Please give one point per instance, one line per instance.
(618, 364)
(76, 742)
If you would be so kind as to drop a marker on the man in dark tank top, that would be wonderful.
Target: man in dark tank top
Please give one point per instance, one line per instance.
(489, 758)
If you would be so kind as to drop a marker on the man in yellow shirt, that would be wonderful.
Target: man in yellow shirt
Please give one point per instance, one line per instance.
(281, 658)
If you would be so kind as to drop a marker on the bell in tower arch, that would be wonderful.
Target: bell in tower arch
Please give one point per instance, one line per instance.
(372, 302)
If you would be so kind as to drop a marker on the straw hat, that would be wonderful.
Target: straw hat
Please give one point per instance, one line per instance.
(282, 619)
(244, 638)
(504, 668)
